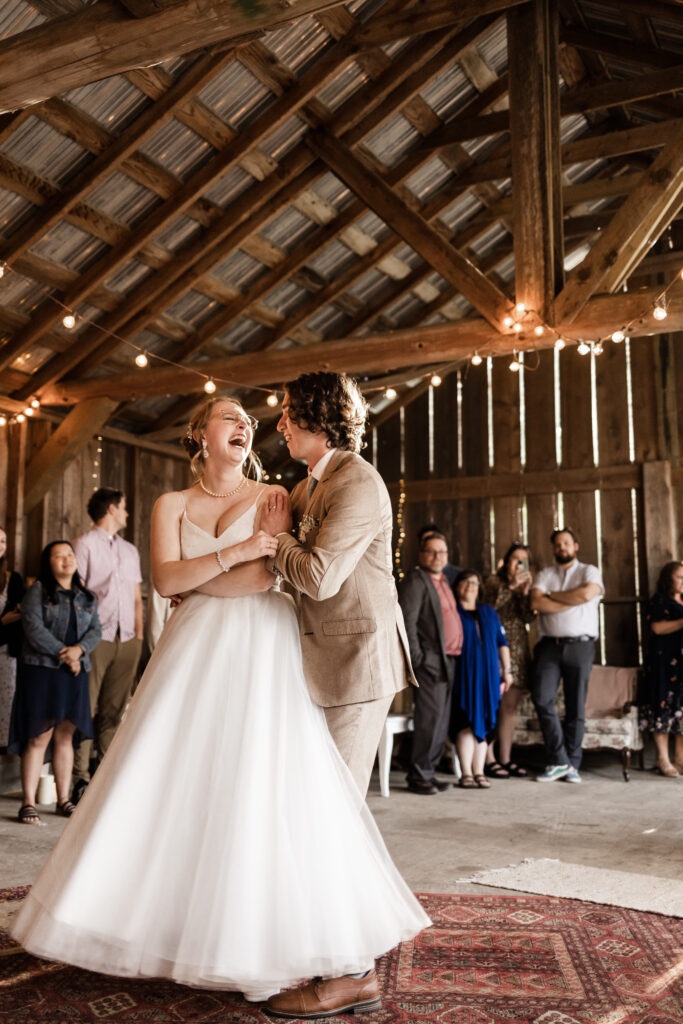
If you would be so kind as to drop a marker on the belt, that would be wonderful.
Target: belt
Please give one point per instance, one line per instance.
(583, 639)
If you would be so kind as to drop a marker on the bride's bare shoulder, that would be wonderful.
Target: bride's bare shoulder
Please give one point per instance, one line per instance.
(171, 502)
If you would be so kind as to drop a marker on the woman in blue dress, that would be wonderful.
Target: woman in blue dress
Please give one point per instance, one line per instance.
(482, 674)
(61, 627)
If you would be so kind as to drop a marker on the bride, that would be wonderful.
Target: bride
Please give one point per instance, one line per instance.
(223, 842)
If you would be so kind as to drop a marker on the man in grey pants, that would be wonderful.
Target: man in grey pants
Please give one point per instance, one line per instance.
(566, 595)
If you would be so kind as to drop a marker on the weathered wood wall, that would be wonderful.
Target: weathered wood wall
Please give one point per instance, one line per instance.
(492, 499)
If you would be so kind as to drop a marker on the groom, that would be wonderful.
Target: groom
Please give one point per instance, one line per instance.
(355, 649)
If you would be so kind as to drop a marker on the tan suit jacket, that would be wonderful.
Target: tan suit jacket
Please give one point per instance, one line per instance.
(339, 563)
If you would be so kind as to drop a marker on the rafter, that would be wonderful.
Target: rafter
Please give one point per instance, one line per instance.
(636, 224)
(375, 353)
(104, 40)
(431, 16)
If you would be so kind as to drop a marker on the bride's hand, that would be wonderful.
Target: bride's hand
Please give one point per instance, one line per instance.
(260, 545)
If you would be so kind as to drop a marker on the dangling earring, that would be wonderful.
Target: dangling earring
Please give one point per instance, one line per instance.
(205, 449)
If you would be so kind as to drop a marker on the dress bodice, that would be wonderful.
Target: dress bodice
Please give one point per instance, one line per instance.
(195, 542)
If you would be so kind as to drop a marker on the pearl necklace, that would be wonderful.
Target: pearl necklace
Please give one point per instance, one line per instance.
(216, 494)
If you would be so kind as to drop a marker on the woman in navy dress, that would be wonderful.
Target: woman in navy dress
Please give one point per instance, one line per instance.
(479, 682)
(662, 705)
(61, 627)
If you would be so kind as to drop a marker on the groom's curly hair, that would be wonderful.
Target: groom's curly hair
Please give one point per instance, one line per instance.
(331, 402)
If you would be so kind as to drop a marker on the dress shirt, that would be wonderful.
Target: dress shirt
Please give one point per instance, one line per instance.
(321, 464)
(110, 567)
(452, 625)
(579, 619)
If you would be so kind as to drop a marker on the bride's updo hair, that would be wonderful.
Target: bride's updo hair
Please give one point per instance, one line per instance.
(193, 445)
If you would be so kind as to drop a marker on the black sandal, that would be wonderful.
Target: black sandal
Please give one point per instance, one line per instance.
(28, 815)
(494, 770)
(66, 809)
(516, 770)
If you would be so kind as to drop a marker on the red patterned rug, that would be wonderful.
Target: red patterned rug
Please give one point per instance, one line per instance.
(487, 960)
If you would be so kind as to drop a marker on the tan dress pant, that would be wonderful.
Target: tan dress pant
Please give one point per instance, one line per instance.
(357, 729)
(112, 674)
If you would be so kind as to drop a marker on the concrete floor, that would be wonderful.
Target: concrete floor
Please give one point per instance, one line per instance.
(436, 840)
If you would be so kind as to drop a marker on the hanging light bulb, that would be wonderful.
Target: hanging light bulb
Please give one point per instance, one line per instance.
(69, 321)
(598, 349)
(476, 359)
(517, 327)
(3, 420)
(583, 348)
(539, 330)
(141, 360)
(28, 411)
(435, 380)
(660, 311)
(210, 386)
(515, 365)
(508, 321)
(272, 400)
(560, 344)
(390, 393)
(618, 337)
(35, 403)
(520, 309)
(2, 274)
(20, 418)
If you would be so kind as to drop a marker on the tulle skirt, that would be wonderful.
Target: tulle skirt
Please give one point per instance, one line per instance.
(222, 842)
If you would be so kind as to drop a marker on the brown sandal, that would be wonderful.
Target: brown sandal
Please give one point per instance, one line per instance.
(668, 771)
(467, 782)
(28, 815)
(66, 809)
(482, 782)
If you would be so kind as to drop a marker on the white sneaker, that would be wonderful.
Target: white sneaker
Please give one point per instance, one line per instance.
(572, 775)
(553, 772)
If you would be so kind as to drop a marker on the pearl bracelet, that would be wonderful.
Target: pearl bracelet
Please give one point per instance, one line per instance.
(224, 567)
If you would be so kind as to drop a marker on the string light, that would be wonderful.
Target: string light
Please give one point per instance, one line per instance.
(598, 348)
(515, 365)
(618, 337)
(401, 534)
(69, 321)
(3, 420)
(391, 394)
(517, 327)
(560, 344)
(272, 400)
(20, 418)
(508, 321)
(660, 311)
(2, 274)
(539, 330)
(583, 348)
(435, 380)
(35, 403)
(476, 359)
(520, 309)
(28, 411)
(141, 360)
(210, 386)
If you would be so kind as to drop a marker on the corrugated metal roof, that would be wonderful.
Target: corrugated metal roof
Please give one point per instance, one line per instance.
(128, 276)
(192, 308)
(286, 297)
(429, 178)
(113, 102)
(299, 44)
(69, 246)
(46, 151)
(228, 187)
(461, 211)
(332, 261)
(393, 140)
(13, 210)
(236, 95)
(343, 86)
(17, 16)
(122, 198)
(241, 335)
(284, 138)
(177, 148)
(180, 230)
(288, 229)
(238, 270)
(447, 92)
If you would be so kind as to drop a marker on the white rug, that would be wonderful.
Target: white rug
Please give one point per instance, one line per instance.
(595, 885)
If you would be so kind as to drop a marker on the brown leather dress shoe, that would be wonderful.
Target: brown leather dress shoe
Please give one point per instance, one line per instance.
(325, 998)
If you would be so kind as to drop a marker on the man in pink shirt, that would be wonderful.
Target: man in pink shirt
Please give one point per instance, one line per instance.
(435, 637)
(110, 567)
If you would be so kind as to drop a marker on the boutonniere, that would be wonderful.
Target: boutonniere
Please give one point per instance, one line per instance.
(307, 523)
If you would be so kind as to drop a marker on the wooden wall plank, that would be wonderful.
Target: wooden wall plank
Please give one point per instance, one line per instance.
(540, 454)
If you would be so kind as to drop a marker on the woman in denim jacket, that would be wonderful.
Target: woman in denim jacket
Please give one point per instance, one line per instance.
(61, 628)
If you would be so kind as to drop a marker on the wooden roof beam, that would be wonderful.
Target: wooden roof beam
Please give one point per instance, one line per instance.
(579, 101)
(636, 224)
(632, 53)
(376, 353)
(454, 267)
(430, 16)
(533, 33)
(104, 40)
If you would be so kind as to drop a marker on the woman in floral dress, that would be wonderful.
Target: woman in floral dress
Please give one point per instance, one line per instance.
(662, 705)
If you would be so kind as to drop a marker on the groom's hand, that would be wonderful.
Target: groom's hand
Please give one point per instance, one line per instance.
(276, 513)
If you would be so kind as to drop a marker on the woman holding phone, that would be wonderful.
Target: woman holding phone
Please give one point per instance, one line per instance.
(508, 592)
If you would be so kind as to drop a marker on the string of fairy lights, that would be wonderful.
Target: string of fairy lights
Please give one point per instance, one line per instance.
(515, 322)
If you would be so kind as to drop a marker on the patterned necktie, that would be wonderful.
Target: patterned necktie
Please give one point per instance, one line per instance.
(311, 486)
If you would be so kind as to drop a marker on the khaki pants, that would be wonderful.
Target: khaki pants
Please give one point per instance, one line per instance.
(112, 675)
(357, 729)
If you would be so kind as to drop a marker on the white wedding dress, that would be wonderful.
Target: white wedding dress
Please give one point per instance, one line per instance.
(222, 842)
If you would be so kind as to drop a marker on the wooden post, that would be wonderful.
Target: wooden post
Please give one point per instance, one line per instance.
(14, 516)
(535, 135)
(660, 522)
(61, 449)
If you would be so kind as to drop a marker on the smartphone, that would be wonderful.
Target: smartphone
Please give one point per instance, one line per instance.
(523, 565)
